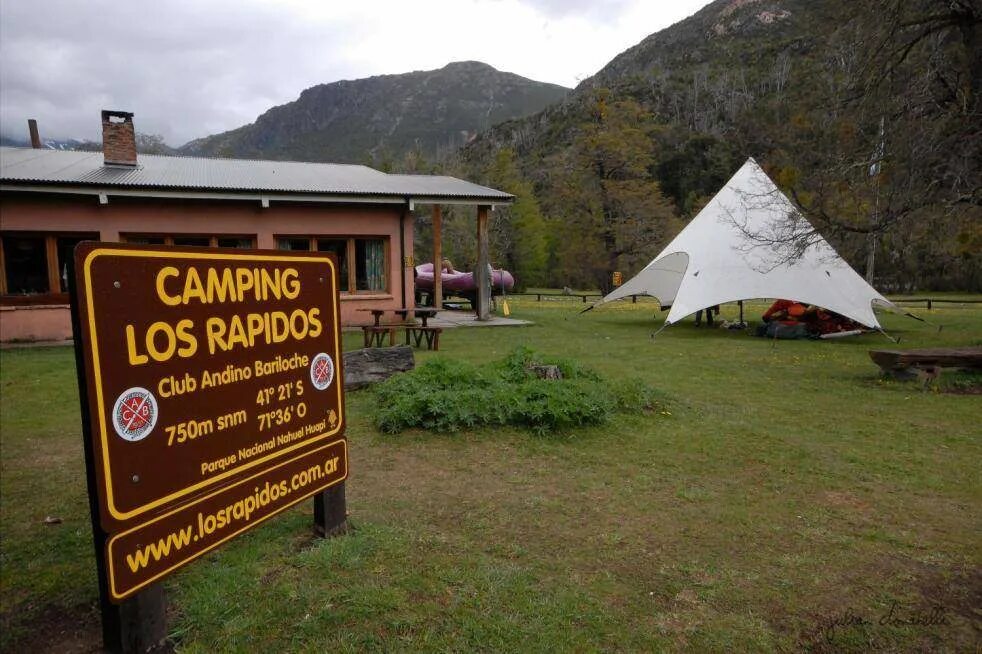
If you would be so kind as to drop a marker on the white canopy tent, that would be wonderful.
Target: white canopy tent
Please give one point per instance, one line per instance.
(751, 242)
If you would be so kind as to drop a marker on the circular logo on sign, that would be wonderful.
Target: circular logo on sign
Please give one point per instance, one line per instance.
(321, 371)
(135, 414)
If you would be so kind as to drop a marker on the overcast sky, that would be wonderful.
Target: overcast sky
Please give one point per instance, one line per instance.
(189, 68)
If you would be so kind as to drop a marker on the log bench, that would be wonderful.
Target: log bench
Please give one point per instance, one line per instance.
(912, 364)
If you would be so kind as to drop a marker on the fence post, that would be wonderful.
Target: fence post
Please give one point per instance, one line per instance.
(929, 304)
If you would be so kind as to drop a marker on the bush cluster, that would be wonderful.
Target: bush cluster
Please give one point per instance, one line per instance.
(448, 395)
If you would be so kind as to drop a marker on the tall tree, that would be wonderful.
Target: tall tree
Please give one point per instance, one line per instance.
(896, 137)
(520, 230)
(607, 193)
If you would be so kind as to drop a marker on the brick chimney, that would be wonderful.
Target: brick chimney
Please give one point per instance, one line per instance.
(118, 138)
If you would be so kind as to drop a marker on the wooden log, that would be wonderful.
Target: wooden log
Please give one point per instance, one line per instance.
(925, 363)
(372, 365)
(945, 357)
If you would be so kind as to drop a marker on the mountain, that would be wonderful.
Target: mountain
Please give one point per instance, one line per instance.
(50, 144)
(145, 144)
(866, 112)
(385, 116)
(700, 75)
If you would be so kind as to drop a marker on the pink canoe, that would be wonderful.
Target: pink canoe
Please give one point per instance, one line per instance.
(461, 282)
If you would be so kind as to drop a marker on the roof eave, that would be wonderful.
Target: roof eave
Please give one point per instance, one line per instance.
(246, 194)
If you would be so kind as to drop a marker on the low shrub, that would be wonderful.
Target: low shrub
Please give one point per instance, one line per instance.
(448, 395)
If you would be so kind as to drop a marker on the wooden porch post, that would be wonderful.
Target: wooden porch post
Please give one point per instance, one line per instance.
(437, 300)
(481, 271)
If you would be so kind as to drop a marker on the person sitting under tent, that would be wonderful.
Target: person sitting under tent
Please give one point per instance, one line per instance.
(784, 319)
(790, 319)
(788, 312)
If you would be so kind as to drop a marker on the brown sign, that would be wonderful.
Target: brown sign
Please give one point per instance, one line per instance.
(203, 367)
(153, 549)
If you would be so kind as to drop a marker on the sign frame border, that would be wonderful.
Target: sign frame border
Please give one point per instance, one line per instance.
(92, 345)
(198, 500)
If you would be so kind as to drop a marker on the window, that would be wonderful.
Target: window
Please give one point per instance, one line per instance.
(339, 248)
(66, 256)
(25, 264)
(241, 242)
(370, 271)
(145, 240)
(293, 243)
(370, 264)
(36, 266)
(197, 240)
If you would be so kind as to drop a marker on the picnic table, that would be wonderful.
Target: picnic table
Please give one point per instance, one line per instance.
(375, 334)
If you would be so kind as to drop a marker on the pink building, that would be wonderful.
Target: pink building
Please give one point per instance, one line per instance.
(50, 200)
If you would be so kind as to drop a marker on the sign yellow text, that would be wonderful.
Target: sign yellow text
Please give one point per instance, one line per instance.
(163, 340)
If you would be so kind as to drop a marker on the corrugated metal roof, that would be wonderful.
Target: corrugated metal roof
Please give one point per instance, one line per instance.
(70, 168)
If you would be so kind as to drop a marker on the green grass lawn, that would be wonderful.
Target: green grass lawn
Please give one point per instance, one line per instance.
(785, 486)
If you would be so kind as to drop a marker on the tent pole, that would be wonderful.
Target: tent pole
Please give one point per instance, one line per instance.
(653, 334)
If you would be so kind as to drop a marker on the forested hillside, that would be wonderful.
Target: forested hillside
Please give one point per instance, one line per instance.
(380, 120)
(867, 113)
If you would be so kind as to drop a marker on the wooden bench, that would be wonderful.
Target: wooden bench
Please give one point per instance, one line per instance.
(375, 334)
(417, 335)
(912, 364)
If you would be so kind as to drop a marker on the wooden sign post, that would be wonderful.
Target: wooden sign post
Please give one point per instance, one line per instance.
(212, 399)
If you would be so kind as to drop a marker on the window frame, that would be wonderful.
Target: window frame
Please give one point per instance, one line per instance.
(56, 296)
(352, 283)
(51, 255)
(169, 238)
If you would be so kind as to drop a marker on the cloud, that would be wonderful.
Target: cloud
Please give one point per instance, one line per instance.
(184, 71)
(188, 68)
(602, 10)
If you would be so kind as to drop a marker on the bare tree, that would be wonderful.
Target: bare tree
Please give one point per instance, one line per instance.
(899, 137)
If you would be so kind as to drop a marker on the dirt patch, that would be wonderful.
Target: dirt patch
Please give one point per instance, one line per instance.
(958, 592)
(60, 630)
(844, 500)
(74, 630)
(271, 576)
(933, 604)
